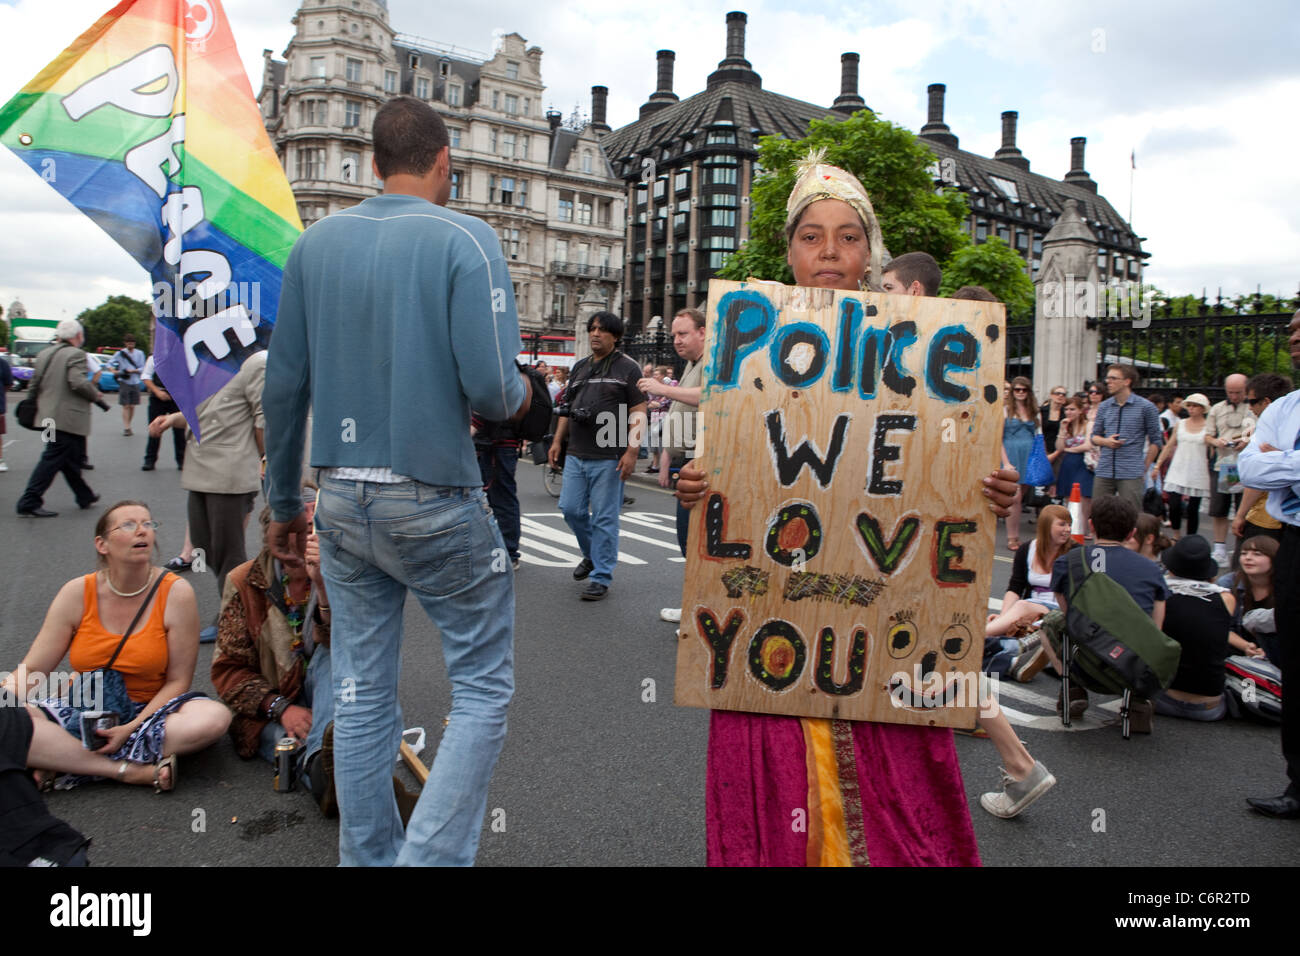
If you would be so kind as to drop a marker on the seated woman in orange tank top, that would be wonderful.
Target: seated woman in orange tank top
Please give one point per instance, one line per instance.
(86, 622)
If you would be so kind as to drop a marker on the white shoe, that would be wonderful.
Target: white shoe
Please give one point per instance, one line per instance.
(1220, 556)
(3, 466)
(673, 615)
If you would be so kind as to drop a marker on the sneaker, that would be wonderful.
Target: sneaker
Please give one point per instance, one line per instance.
(3, 466)
(1078, 701)
(583, 569)
(179, 565)
(1015, 795)
(594, 591)
(208, 635)
(147, 466)
(673, 615)
(1030, 642)
(1025, 667)
(322, 775)
(1141, 715)
(514, 563)
(1220, 555)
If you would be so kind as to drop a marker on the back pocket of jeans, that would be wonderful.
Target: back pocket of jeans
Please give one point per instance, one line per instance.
(437, 563)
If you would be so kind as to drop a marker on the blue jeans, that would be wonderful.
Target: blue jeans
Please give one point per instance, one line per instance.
(590, 499)
(496, 466)
(317, 697)
(376, 541)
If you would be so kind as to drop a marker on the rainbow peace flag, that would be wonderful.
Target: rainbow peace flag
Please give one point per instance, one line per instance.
(147, 124)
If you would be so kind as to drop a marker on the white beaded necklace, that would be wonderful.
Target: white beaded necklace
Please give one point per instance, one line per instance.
(109, 578)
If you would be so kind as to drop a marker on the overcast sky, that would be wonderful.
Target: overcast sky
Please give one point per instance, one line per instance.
(1205, 93)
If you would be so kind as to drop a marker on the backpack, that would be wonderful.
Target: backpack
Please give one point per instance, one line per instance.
(537, 421)
(1116, 645)
(1264, 698)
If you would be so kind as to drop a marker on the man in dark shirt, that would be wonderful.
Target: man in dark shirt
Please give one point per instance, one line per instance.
(1114, 521)
(603, 425)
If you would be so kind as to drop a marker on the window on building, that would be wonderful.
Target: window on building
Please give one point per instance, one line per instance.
(311, 162)
(453, 134)
(512, 70)
(496, 99)
(353, 70)
(507, 190)
(1022, 242)
(566, 208)
(443, 68)
(723, 217)
(1007, 186)
(422, 87)
(510, 245)
(584, 211)
(512, 104)
(679, 220)
(351, 114)
(317, 67)
(606, 211)
(722, 175)
(522, 149)
(453, 95)
(661, 184)
(981, 230)
(527, 106)
(312, 112)
(561, 250)
(390, 81)
(1038, 246)
(721, 199)
(586, 161)
(1004, 233)
(721, 136)
(584, 253)
(521, 195)
(560, 300)
(507, 144)
(414, 61)
(350, 166)
(715, 259)
(455, 184)
(604, 257)
(1133, 269)
(493, 136)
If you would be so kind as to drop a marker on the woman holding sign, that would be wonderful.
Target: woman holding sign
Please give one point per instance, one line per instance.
(792, 791)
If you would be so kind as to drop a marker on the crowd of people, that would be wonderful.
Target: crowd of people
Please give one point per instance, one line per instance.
(309, 633)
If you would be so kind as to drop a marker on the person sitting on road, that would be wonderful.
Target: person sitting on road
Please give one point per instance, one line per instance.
(1149, 540)
(272, 666)
(1198, 615)
(148, 672)
(1114, 522)
(1254, 630)
(1029, 596)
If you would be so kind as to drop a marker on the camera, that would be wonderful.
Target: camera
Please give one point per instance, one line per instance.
(579, 416)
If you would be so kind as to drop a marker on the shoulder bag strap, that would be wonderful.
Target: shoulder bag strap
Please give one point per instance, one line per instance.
(134, 621)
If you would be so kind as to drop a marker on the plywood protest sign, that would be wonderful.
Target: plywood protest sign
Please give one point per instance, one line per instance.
(840, 564)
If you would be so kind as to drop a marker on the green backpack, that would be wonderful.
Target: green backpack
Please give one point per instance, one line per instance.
(1115, 644)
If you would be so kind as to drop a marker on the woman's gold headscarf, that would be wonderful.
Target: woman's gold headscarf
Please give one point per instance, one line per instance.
(817, 180)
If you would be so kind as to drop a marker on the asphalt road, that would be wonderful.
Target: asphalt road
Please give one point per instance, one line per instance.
(596, 769)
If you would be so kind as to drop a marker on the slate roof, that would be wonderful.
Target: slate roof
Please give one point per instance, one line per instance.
(744, 105)
(976, 172)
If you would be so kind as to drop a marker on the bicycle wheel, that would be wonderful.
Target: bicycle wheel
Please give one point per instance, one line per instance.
(553, 480)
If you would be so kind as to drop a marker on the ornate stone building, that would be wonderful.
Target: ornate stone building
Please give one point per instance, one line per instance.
(544, 186)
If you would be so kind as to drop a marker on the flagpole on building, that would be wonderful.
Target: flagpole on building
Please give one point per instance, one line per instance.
(1132, 169)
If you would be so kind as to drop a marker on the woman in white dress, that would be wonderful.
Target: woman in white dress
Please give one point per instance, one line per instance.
(1189, 474)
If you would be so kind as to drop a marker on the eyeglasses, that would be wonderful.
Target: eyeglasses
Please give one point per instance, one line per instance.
(1094, 391)
(1252, 402)
(1059, 394)
(130, 527)
(1020, 388)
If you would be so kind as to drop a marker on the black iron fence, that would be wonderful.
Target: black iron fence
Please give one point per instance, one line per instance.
(1186, 354)
(653, 347)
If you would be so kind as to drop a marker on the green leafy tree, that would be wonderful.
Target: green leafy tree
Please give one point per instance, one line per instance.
(998, 268)
(108, 324)
(889, 161)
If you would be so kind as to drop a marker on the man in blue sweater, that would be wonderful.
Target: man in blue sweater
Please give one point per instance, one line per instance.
(396, 318)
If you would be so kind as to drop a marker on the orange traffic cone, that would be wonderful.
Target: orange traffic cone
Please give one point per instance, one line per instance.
(1076, 514)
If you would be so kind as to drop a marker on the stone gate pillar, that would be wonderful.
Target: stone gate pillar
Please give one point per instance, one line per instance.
(589, 303)
(1067, 304)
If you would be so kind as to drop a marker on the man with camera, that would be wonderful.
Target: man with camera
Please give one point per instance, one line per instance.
(602, 420)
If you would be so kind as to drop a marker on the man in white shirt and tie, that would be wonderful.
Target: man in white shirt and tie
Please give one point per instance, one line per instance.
(1272, 461)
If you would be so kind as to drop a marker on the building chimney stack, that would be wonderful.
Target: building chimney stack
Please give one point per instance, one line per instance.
(599, 97)
(1078, 176)
(935, 129)
(734, 68)
(1009, 153)
(736, 35)
(664, 95)
(848, 101)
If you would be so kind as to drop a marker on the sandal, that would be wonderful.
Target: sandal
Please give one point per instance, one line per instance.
(167, 763)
